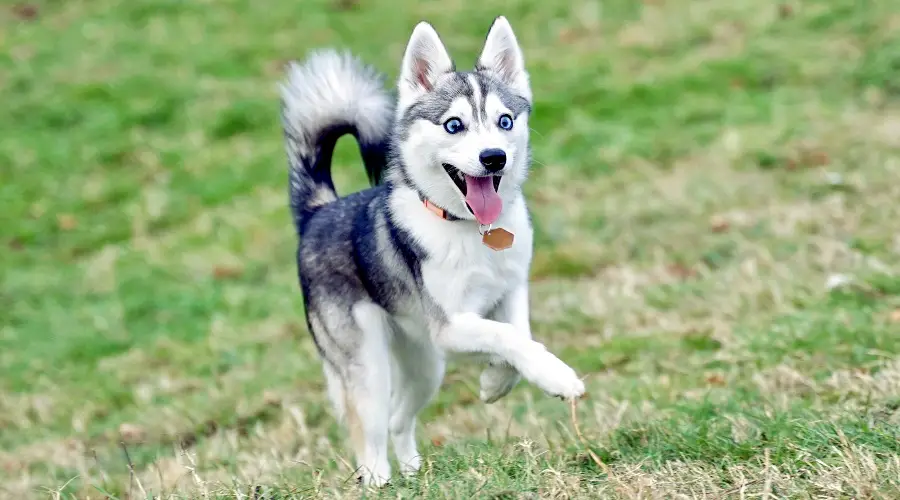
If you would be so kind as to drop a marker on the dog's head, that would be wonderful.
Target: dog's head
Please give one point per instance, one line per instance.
(463, 136)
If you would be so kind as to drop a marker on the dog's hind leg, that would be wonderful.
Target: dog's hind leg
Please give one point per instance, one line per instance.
(367, 394)
(417, 373)
(336, 393)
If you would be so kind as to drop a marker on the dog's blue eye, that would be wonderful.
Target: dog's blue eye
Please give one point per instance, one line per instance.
(505, 122)
(453, 125)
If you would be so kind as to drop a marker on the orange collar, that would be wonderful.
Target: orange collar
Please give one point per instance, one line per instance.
(495, 239)
(440, 212)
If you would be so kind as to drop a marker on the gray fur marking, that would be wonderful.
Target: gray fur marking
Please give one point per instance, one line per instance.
(434, 105)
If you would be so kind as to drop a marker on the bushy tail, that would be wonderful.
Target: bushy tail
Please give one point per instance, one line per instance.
(325, 97)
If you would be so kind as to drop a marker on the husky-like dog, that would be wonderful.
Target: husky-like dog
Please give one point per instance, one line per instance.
(431, 260)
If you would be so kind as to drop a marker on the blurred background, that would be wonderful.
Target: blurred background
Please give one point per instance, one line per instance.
(715, 194)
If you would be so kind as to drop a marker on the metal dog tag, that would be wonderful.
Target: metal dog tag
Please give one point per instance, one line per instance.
(497, 239)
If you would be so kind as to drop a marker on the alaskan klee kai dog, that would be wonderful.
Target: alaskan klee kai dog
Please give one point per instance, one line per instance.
(431, 260)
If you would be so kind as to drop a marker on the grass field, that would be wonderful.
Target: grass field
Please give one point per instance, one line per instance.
(716, 193)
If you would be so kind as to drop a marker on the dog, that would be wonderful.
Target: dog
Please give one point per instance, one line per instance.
(431, 260)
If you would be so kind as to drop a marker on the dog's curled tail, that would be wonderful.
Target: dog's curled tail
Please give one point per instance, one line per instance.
(328, 95)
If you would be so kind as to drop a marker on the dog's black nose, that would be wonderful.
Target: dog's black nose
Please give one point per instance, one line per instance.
(493, 159)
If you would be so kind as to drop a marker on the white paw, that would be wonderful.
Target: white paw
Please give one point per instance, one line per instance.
(555, 377)
(496, 382)
(404, 437)
(374, 478)
(410, 466)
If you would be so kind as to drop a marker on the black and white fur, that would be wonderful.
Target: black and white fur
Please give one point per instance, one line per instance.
(389, 287)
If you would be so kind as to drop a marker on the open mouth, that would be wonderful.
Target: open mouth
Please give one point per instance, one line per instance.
(459, 178)
(480, 193)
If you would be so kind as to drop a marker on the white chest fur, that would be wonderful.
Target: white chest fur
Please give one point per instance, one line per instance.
(461, 274)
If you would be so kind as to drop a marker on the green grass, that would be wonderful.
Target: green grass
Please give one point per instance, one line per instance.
(702, 171)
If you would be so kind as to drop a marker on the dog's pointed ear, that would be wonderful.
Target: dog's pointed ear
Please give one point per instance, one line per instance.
(425, 60)
(503, 57)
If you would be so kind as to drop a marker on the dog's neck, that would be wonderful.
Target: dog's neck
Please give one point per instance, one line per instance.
(495, 239)
(437, 210)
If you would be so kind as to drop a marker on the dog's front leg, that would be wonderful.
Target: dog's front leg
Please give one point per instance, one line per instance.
(470, 333)
(500, 377)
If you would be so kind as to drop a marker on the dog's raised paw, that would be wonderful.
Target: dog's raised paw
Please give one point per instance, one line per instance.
(557, 378)
(572, 389)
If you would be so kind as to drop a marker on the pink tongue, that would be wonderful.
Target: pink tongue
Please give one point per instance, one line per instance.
(483, 199)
